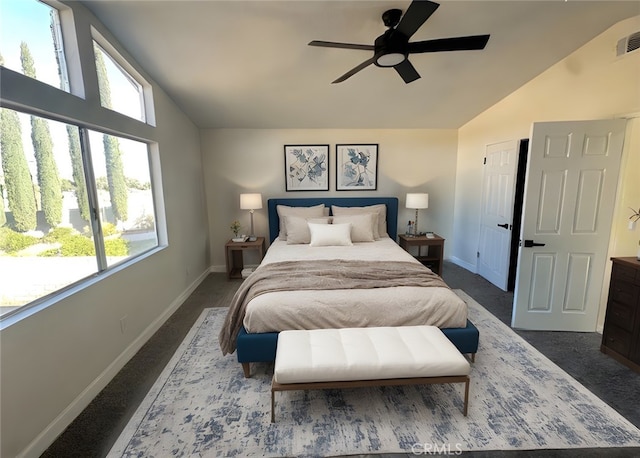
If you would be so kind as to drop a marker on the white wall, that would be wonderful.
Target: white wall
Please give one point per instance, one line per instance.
(243, 160)
(591, 83)
(55, 361)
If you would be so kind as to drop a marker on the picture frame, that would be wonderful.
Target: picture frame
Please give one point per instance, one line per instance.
(306, 167)
(357, 167)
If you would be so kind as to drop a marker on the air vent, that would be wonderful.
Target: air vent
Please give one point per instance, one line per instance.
(628, 44)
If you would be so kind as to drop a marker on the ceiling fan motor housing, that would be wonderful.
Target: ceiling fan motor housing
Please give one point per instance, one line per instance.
(391, 48)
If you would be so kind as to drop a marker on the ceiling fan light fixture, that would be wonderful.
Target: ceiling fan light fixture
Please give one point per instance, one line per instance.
(390, 60)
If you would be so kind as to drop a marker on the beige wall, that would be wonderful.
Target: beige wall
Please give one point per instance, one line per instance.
(252, 160)
(55, 361)
(591, 83)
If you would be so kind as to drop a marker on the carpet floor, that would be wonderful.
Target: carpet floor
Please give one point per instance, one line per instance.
(93, 433)
(201, 405)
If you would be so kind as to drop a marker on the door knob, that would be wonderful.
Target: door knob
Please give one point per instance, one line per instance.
(505, 225)
(531, 243)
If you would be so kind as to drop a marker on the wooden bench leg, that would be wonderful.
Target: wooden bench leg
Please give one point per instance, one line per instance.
(466, 397)
(246, 368)
(273, 415)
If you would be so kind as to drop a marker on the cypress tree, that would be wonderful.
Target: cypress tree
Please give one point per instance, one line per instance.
(17, 177)
(113, 157)
(79, 182)
(3, 216)
(48, 176)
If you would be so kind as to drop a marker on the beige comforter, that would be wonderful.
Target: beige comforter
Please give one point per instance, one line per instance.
(323, 275)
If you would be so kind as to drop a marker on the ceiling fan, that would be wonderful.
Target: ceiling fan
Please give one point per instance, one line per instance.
(392, 48)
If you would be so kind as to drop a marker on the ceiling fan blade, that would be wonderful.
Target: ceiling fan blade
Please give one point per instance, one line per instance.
(332, 44)
(407, 71)
(416, 15)
(469, 43)
(355, 70)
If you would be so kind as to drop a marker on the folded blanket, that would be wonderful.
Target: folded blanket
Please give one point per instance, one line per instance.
(320, 275)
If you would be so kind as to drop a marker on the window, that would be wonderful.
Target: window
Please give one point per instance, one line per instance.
(45, 240)
(32, 41)
(48, 239)
(123, 181)
(74, 201)
(119, 91)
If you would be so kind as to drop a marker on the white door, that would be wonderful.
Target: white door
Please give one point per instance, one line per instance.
(496, 219)
(572, 176)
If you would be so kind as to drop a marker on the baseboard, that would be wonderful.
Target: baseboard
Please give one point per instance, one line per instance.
(465, 265)
(66, 417)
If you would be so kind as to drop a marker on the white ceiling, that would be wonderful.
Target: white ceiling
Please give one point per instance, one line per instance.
(246, 64)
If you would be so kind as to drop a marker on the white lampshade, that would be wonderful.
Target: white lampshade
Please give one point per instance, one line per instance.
(251, 201)
(417, 200)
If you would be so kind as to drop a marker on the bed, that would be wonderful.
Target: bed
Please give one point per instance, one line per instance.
(405, 292)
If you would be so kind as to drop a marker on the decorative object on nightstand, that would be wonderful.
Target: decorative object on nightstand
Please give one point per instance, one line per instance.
(435, 249)
(235, 228)
(633, 219)
(251, 202)
(417, 200)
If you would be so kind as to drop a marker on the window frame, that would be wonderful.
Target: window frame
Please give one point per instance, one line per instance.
(81, 107)
(146, 100)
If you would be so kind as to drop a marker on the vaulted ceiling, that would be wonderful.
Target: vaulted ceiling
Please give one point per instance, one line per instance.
(247, 64)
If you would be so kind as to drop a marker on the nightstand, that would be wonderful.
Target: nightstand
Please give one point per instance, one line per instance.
(434, 253)
(234, 253)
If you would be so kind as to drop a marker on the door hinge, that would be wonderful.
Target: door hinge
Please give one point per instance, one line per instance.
(484, 161)
(477, 254)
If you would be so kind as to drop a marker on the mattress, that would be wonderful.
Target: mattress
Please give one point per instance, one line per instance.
(341, 308)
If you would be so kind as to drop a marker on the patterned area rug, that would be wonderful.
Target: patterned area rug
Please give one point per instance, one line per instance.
(202, 405)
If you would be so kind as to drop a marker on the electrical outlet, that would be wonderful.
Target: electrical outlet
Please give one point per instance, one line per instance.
(123, 324)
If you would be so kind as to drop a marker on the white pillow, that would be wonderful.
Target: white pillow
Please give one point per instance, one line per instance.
(381, 209)
(305, 212)
(362, 226)
(330, 234)
(298, 228)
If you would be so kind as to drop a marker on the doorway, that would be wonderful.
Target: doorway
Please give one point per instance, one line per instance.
(502, 200)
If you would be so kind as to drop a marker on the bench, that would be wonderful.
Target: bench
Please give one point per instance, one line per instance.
(261, 347)
(364, 357)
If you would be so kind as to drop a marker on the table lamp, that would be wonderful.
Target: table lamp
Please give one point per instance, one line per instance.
(251, 202)
(417, 200)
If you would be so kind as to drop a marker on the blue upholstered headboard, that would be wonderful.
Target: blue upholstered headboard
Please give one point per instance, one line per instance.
(390, 202)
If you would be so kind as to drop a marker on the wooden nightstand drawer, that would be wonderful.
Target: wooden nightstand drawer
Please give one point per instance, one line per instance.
(617, 339)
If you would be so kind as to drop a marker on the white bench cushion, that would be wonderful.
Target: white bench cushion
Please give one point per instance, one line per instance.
(326, 355)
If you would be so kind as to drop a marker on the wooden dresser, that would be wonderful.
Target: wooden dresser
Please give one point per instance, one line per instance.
(621, 334)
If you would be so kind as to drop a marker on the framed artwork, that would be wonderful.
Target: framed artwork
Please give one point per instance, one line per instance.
(306, 167)
(357, 167)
